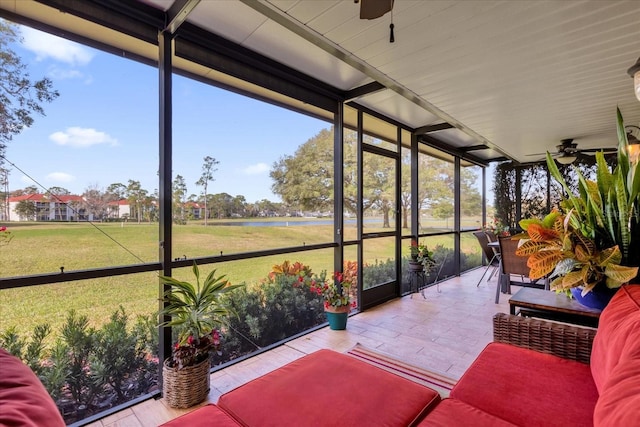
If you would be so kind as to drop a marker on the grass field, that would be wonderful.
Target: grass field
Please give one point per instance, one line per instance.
(45, 247)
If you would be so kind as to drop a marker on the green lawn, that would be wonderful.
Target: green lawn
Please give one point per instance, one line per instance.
(45, 247)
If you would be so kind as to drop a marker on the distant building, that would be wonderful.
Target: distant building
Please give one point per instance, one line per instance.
(62, 208)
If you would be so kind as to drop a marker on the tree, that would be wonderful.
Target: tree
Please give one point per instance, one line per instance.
(95, 202)
(179, 199)
(207, 176)
(115, 193)
(26, 210)
(20, 96)
(305, 180)
(4, 193)
(136, 196)
(32, 189)
(54, 196)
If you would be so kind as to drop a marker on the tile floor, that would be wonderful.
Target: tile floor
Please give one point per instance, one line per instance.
(443, 332)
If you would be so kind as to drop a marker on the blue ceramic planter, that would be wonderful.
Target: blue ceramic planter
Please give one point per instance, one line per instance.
(337, 321)
(598, 298)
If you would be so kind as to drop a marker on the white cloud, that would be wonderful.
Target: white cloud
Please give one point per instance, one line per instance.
(60, 177)
(257, 169)
(82, 137)
(45, 46)
(58, 73)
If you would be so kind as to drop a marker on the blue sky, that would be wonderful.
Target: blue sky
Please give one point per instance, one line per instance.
(103, 128)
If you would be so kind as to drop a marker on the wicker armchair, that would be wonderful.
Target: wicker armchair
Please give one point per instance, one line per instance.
(566, 341)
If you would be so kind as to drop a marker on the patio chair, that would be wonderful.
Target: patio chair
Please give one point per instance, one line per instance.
(510, 263)
(492, 255)
(491, 236)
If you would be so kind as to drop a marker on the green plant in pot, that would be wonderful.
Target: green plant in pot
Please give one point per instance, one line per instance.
(197, 314)
(596, 244)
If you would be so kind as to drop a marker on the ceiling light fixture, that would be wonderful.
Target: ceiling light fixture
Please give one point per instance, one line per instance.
(634, 72)
(566, 159)
(634, 143)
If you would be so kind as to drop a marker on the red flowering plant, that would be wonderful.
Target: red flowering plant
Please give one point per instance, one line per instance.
(5, 236)
(197, 312)
(339, 293)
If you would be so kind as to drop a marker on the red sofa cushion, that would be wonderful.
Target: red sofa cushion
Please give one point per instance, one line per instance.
(529, 388)
(328, 388)
(23, 399)
(208, 416)
(619, 327)
(454, 413)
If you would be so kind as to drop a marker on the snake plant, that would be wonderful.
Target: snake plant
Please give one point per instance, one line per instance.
(607, 210)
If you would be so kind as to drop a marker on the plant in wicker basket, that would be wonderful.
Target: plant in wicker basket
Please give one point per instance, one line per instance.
(197, 313)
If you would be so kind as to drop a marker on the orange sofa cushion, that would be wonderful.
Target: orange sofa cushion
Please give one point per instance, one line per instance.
(207, 416)
(454, 413)
(619, 328)
(328, 388)
(528, 388)
(23, 399)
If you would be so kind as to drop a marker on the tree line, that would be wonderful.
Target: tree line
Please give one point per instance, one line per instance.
(304, 182)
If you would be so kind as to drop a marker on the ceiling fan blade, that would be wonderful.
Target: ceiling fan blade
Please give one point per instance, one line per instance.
(594, 150)
(544, 154)
(372, 9)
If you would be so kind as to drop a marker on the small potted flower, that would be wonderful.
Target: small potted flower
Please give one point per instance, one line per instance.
(197, 313)
(337, 294)
(421, 258)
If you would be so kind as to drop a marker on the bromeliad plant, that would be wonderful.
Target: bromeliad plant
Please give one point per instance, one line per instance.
(556, 248)
(197, 312)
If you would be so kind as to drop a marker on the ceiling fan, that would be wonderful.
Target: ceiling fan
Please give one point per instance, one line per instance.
(372, 9)
(567, 151)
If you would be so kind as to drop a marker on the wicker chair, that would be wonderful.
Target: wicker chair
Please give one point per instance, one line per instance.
(566, 341)
(490, 254)
(513, 264)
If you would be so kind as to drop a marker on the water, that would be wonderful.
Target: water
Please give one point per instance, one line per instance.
(288, 223)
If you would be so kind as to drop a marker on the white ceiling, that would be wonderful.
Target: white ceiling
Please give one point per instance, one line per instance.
(517, 75)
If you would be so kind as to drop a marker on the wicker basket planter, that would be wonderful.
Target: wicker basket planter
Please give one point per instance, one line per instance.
(186, 387)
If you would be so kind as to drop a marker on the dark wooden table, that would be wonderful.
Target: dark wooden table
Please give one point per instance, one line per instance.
(550, 305)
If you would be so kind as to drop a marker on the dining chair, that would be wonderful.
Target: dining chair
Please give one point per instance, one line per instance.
(510, 263)
(492, 255)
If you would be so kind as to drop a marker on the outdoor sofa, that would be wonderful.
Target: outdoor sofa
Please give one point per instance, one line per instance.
(535, 373)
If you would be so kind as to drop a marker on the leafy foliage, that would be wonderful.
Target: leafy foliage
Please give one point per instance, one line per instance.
(555, 247)
(196, 310)
(281, 306)
(88, 370)
(20, 96)
(608, 210)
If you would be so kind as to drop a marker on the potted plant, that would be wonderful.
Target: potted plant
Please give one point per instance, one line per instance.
(557, 249)
(197, 312)
(421, 258)
(596, 243)
(337, 294)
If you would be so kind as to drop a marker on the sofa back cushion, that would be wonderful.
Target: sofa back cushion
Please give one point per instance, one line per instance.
(23, 399)
(618, 334)
(619, 402)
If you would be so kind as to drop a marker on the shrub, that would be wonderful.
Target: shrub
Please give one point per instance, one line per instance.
(282, 306)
